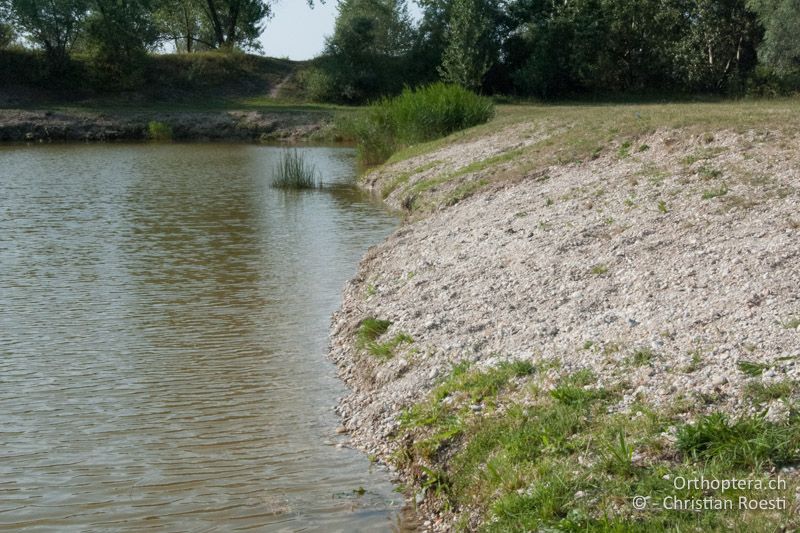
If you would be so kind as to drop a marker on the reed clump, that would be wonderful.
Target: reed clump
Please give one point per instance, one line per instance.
(295, 172)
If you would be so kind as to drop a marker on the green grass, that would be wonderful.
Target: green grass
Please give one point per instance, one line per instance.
(751, 368)
(564, 461)
(413, 117)
(442, 416)
(760, 393)
(599, 269)
(567, 133)
(642, 357)
(749, 442)
(385, 350)
(294, 172)
(371, 329)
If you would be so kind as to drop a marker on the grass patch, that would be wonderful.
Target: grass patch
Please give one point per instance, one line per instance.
(752, 369)
(158, 131)
(413, 117)
(564, 461)
(642, 357)
(294, 172)
(599, 269)
(715, 193)
(761, 393)
(662, 207)
(371, 329)
(749, 442)
(385, 350)
(443, 416)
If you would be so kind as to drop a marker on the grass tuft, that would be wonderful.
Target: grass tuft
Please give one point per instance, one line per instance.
(294, 172)
(749, 442)
(158, 131)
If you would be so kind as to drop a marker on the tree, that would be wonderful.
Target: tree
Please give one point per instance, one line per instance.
(780, 48)
(368, 52)
(184, 23)
(54, 25)
(236, 22)
(465, 60)
(718, 48)
(120, 33)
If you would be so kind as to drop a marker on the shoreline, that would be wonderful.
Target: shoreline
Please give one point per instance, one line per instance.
(27, 126)
(657, 267)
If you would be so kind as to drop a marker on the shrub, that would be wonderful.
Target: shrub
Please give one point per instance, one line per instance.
(416, 116)
(158, 131)
(294, 172)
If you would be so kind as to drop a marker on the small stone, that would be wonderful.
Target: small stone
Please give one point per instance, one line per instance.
(719, 381)
(341, 429)
(419, 497)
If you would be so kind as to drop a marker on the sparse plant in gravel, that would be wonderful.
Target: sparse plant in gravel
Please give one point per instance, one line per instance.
(370, 329)
(792, 323)
(599, 269)
(642, 356)
(752, 369)
(715, 193)
(662, 207)
(759, 392)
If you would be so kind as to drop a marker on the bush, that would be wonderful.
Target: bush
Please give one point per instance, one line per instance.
(294, 172)
(416, 116)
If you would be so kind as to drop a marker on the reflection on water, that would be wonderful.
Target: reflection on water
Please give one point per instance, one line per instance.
(163, 320)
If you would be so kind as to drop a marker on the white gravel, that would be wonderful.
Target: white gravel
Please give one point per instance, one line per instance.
(583, 269)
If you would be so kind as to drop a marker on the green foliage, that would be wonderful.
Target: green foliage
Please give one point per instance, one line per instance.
(465, 61)
(6, 32)
(53, 25)
(295, 172)
(416, 116)
(158, 131)
(780, 47)
(366, 56)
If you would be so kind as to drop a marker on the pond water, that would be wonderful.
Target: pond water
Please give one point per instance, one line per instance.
(164, 317)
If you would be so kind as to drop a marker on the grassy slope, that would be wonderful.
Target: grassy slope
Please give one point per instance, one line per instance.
(556, 457)
(582, 132)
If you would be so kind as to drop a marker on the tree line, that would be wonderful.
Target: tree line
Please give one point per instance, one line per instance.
(558, 48)
(118, 33)
(528, 48)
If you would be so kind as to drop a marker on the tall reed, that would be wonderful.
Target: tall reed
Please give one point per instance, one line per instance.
(293, 171)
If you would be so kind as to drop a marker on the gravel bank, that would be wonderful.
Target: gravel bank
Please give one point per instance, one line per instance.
(664, 264)
(44, 126)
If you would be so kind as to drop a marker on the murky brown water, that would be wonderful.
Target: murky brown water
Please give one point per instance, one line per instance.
(163, 321)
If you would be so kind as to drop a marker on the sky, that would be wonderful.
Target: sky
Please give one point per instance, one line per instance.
(297, 31)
